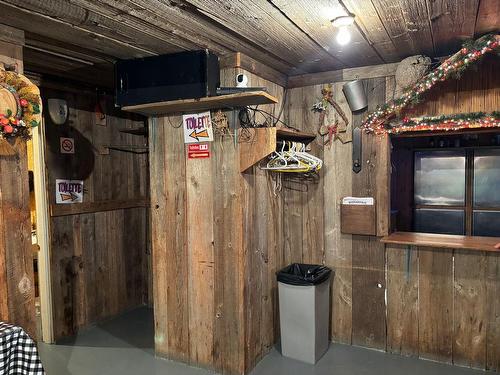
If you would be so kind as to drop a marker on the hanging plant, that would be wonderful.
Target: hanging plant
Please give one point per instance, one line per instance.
(20, 106)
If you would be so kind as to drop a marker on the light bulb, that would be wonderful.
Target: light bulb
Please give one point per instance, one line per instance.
(343, 36)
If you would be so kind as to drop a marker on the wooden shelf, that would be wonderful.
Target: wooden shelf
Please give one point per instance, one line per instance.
(443, 241)
(100, 206)
(291, 135)
(241, 99)
(263, 143)
(136, 131)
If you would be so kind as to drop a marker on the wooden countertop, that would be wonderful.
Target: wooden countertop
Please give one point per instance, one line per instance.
(443, 241)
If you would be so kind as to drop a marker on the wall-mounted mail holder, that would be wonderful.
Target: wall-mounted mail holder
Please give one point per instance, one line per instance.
(358, 216)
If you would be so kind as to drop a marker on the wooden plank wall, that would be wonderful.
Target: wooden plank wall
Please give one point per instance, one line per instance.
(436, 304)
(217, 242)
(99, 258)
(17, 290)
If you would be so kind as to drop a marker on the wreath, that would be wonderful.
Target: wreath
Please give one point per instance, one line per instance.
(331, 131)
(20, 105)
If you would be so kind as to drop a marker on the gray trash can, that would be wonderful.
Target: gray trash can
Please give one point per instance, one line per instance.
(304, 303)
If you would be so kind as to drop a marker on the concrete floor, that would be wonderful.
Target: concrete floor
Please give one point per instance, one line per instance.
(124, 346)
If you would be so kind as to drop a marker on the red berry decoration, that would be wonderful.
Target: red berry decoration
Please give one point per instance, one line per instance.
(8, 129)
(23, 102)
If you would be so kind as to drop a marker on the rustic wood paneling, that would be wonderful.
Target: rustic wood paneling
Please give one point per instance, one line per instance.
(402, 300)
(228, 227)
(435, 322)
(200, 260)
(338, 246)
(469, 309)
(16, 255)
(493, 312)
(97, 257)
(433, 303)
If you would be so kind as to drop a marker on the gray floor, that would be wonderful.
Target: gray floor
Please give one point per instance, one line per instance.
(124, 346)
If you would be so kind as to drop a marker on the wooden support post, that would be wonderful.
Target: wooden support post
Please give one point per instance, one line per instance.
(16, 259)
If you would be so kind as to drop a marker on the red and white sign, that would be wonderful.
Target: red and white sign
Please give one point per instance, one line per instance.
(67, 145)
(198, 151)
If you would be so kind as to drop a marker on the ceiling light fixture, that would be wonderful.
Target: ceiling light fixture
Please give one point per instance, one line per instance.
(342, 23)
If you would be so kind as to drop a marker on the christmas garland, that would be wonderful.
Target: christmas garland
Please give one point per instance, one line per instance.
(459, 121)
(376, 122)
(26, 106)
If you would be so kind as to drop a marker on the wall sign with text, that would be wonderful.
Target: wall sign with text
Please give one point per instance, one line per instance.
(199, 151)
(69, 191)
(197, 127)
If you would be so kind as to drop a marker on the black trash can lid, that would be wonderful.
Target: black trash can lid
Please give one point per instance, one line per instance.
(303, 274)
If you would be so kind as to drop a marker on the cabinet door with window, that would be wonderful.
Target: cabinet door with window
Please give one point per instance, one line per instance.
(457, 191)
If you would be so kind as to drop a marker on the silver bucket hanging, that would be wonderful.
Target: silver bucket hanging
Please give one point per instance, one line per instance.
(355, 95)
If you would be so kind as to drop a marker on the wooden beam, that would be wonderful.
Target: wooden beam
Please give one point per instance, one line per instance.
(264, 25)
(116, 30)
(184, 23)
(64, 31)
(487, 17)
(348, 74)
(407, 23)
(242, 61)
(314, 19)
(99, 206)
(452, 23)
(368, 20)
(11, 35)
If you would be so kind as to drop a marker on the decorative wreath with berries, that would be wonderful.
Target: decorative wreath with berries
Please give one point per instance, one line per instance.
(20, 105)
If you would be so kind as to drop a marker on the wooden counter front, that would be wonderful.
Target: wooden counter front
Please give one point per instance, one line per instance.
(443, 241)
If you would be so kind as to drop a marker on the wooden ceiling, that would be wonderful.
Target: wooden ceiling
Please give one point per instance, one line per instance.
(291, 36)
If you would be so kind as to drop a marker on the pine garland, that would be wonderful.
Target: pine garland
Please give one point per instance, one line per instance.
(377, 122)
(459, 121)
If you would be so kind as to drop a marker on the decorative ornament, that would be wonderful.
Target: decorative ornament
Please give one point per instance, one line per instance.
(377, 122)
(409, 71)
(331, 131)
(20, 105)
(58, 110)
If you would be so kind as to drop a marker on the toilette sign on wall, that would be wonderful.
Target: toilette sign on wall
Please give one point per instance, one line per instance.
(197, 127)
(69, 191)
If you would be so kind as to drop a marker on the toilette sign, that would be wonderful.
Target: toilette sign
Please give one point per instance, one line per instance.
(69, 191)
(197, 127)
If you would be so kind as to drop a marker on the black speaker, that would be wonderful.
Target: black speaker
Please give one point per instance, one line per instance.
(184, 75)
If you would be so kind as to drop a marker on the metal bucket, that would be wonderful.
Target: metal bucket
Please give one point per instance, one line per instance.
(355, 95)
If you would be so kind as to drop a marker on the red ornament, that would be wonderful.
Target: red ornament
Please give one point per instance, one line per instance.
(14, 121)
(8, 129)
(23, 102)
(4, 121)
